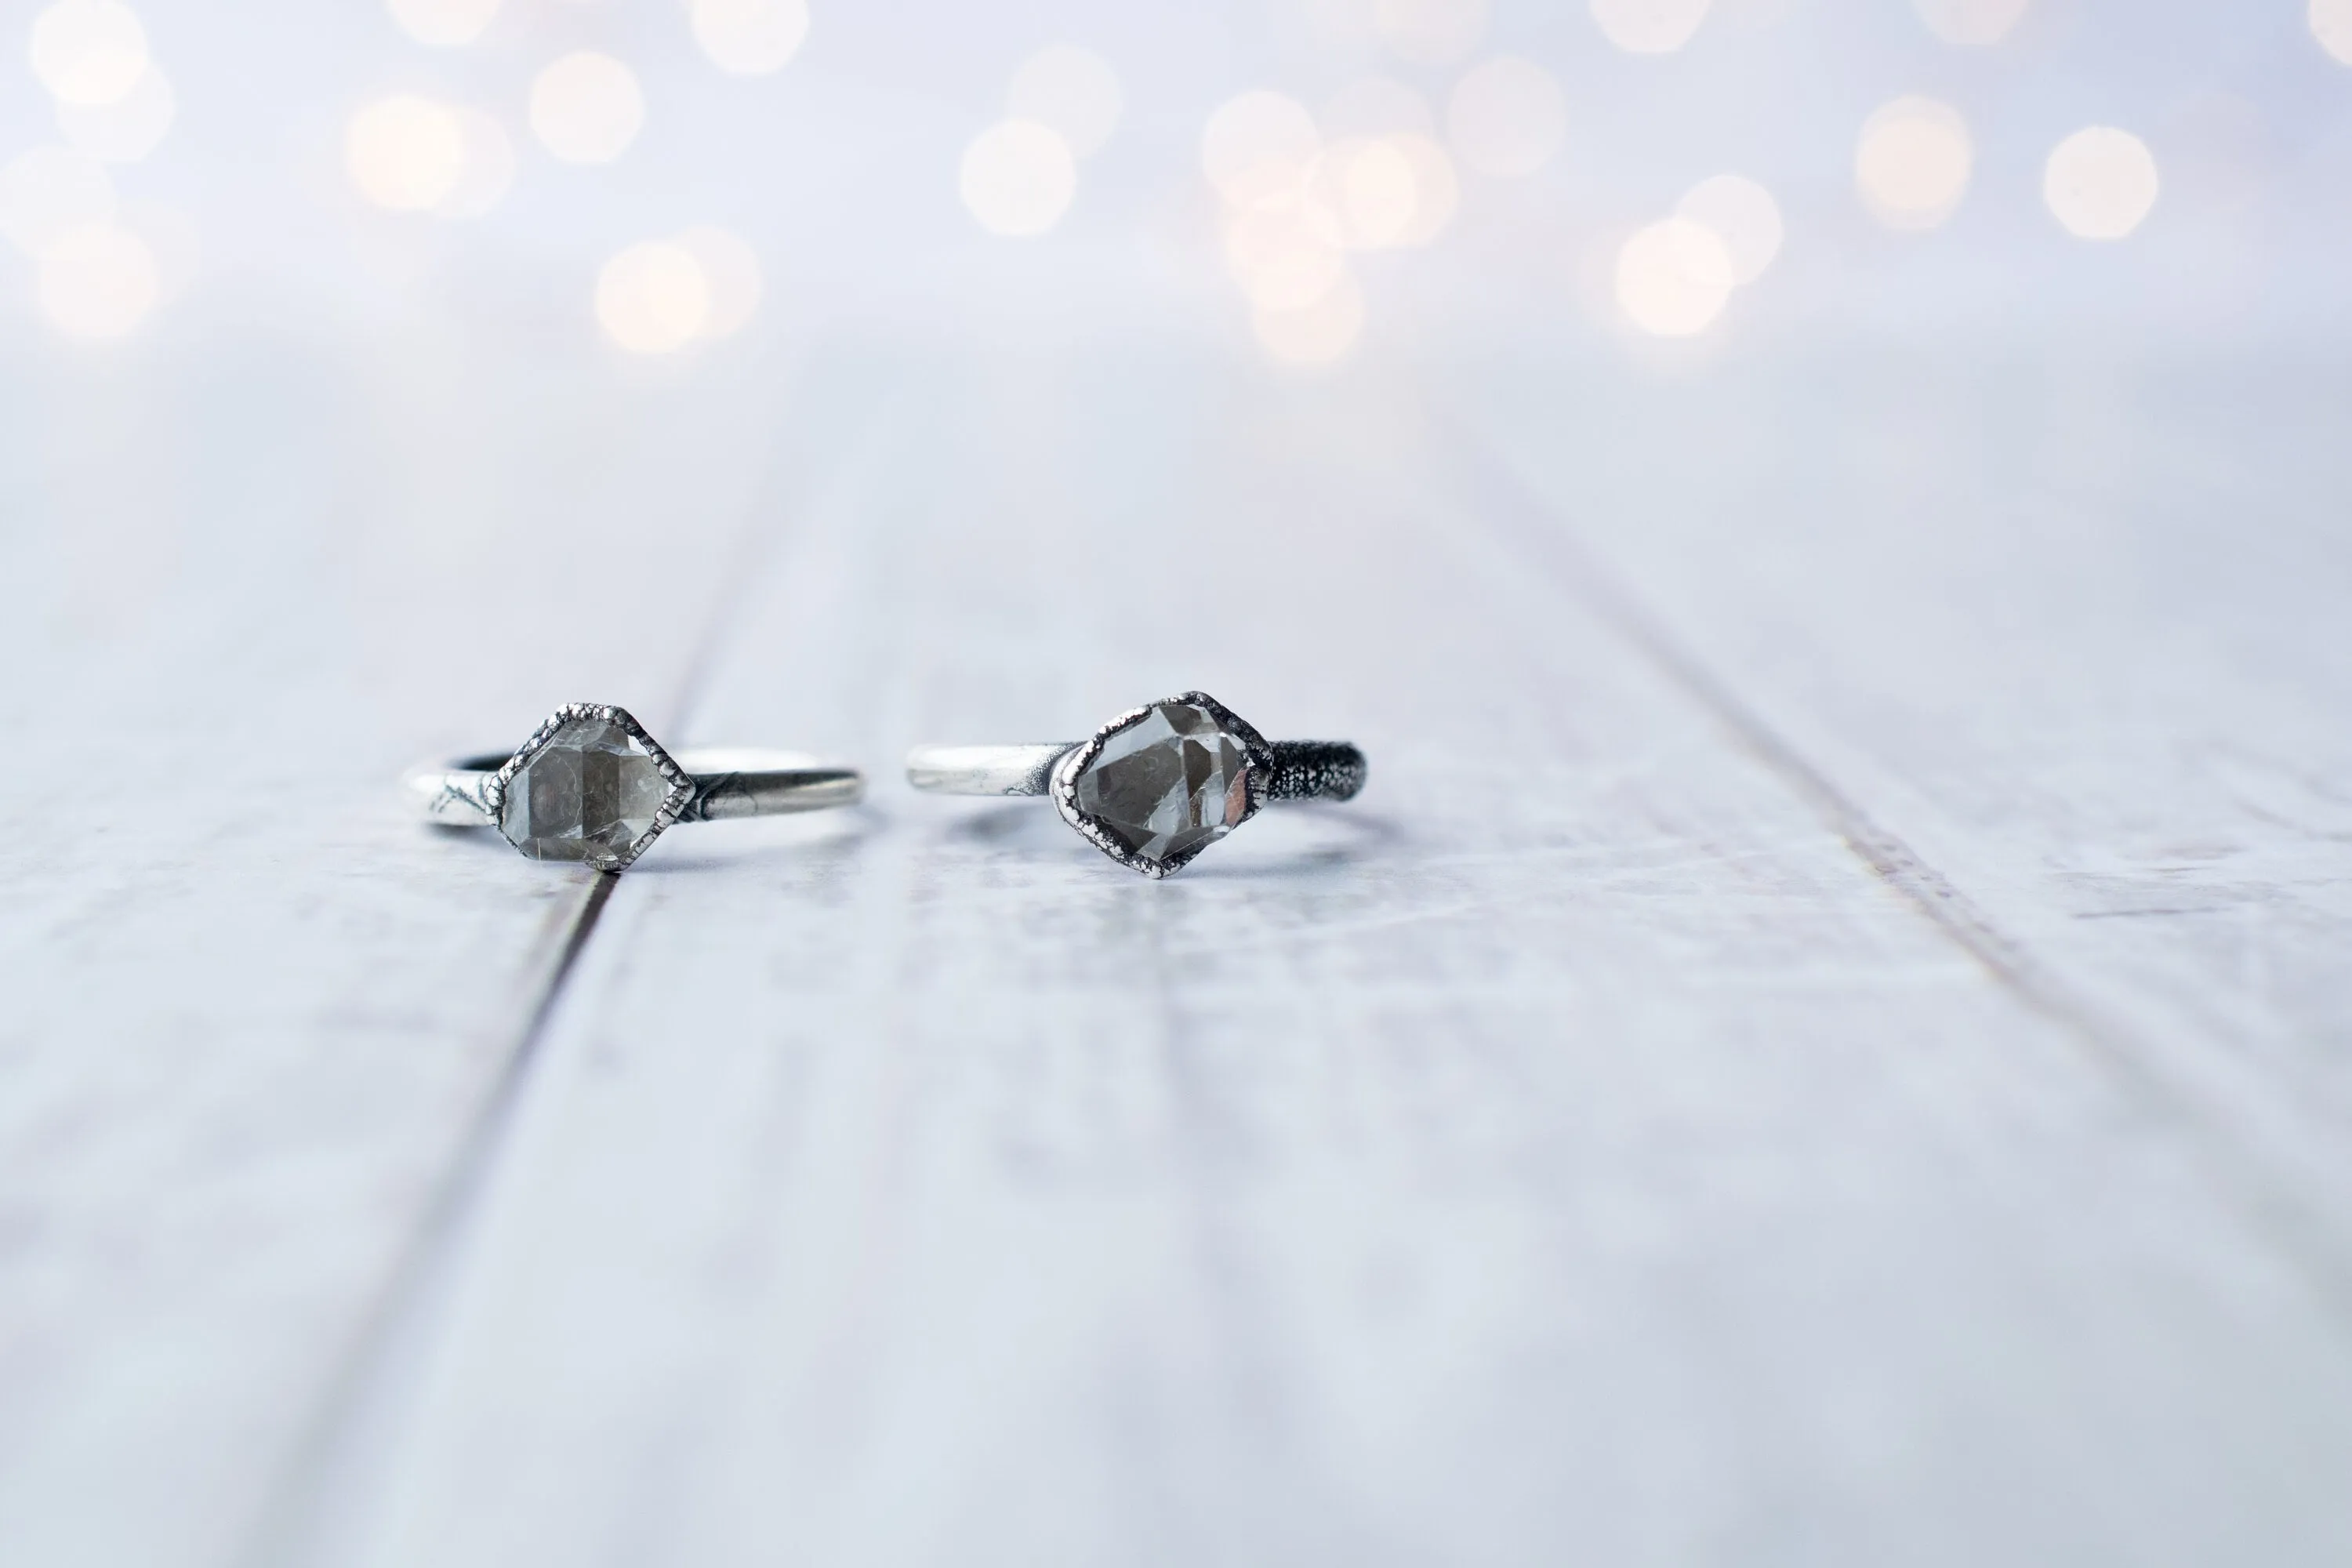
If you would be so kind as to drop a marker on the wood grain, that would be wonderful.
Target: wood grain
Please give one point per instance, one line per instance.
(256, 1013)
(1576, 1150)
(2038, 621)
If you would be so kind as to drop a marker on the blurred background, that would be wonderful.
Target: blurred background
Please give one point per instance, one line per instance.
(1958, 386)
(443, 250)
(1309, 183)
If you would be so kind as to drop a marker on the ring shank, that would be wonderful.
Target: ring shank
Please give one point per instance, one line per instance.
(1315, 769)
(1303, 769)
(729, 782)
(986, 770)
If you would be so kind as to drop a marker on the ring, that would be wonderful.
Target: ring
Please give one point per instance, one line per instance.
(591, 785)
(1155, 785)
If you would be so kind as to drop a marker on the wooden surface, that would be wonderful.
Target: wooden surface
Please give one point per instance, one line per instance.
(1824, 1042)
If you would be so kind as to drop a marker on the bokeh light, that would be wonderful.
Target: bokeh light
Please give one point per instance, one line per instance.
(89, 52)
(1674, 277)
(586, 108)
(1257, 147)
(749, 38)
(128, 129)
(48, 191)
(1319, 333)
(1436, 190)
(1285, 228)
(1017, 178)
(1969, 22)
(1743, 215)
(1370, 183)
(488, 169)
(653, 299)
(1649, 26)
(1072, 91)
(98, 280)
(1429, 32)
(444, 24)
(405, 152)
(1296, 203)
(2331, 23)
(1285, 259)
(730, 272)
(1507, 118)
(1912, 163)
(2100, 182)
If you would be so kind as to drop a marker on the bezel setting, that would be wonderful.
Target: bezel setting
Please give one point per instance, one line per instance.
(673, 805)
(1257, 773)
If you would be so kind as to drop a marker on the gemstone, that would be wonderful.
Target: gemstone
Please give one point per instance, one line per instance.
(588, 792)
(1167, 784)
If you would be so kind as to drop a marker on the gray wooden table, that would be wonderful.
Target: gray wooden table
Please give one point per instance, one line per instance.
(1825, 1042)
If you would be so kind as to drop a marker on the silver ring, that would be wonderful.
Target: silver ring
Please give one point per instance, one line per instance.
(1155, 785)
(592, 787)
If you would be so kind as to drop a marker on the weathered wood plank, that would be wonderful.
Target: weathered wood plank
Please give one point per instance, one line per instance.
(253, 1010)
(2069, 631)
(1574, 1151)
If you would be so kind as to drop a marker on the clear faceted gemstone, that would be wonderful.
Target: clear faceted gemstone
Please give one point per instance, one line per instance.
(587, 795)
(1168, 784)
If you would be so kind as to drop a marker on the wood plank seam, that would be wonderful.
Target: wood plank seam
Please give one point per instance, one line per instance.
(2314, 1242)
(283, 1533)
(296, 1524)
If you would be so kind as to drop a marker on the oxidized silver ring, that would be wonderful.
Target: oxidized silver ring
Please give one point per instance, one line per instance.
(591, 785)
(1155, 785)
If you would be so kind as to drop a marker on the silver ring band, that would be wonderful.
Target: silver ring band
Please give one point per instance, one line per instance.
(729, 782)
(1303, 769)
(1156, 785)
(592, 787)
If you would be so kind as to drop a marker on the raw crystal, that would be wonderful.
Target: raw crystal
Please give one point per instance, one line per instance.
(587, 795)
(1167, 784)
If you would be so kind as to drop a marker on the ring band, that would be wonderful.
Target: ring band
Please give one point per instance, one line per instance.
(1303, 769)
(591, 785)
(1155, 785)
